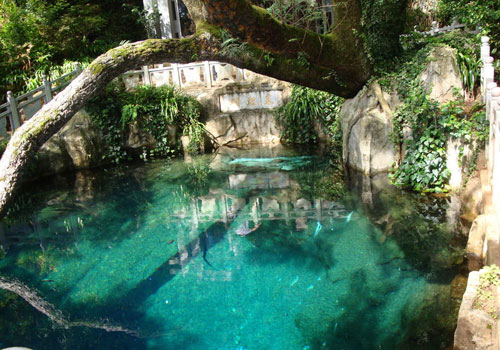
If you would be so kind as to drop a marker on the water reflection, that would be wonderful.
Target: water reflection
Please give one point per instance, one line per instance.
(215, 255)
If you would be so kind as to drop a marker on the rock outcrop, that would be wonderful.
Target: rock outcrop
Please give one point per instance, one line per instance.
(242, 113)
(78, 145)
(366, 126)
(367, 119)
(476, 329)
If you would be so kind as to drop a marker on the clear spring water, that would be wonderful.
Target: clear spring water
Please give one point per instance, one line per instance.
(237, 251)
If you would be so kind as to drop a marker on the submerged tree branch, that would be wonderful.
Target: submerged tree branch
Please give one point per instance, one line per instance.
(49, 310)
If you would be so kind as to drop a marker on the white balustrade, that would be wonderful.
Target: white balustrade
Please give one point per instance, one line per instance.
(491, 98)
(23, 107)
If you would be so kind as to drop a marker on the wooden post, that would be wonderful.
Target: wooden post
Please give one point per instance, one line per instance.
(15, 121)
(47, 89)
(146, 77)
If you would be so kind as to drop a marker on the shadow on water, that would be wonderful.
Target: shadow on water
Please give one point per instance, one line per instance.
(427, 320)
(164, 273)
(277, 243)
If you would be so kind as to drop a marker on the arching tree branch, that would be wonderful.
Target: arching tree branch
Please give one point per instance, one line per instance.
(34, 133)
(335, 62)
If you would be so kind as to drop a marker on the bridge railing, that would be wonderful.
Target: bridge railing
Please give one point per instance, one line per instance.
(436, 30)
(206, 74)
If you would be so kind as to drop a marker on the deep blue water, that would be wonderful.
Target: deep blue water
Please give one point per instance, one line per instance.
(235, 251)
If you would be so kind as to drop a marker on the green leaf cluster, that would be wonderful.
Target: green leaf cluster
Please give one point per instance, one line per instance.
(304, 110)
(422, 126)
(38, 34)
(153, 110)
(302, 13)
(382, 22)
(485, 13)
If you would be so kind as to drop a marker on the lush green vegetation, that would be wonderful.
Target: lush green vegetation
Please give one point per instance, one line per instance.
(485, 13)
(488, 284)
(306, 111)
(3, 146)
(424, 166)
(36, 35)
(151, 110)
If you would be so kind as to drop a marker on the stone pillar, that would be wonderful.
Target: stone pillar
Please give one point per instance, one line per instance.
(490, 115)
(485, 47)
(169, 22)
(488, 74)
(15, 120)
(494, 162)
(485, 52)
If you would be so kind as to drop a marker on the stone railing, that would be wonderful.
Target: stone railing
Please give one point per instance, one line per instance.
(491, 98)
(21, 108)
(436, 30)
(206, 74)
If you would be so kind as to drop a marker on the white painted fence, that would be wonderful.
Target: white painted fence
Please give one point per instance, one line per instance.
(21, 108)
(491, 97)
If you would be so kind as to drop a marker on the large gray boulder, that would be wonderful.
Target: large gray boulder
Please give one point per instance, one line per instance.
(78, 145)
(366, 126)
(367, 118)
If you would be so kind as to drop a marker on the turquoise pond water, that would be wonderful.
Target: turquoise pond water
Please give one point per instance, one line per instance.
(242, 250)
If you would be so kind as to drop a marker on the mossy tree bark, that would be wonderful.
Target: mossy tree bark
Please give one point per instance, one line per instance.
(334, 62)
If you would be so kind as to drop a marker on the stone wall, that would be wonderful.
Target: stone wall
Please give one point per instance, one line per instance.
(477, 329)
(242, 112)
(236, 113)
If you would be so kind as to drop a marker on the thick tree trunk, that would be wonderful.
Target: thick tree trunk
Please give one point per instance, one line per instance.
(341, 51)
